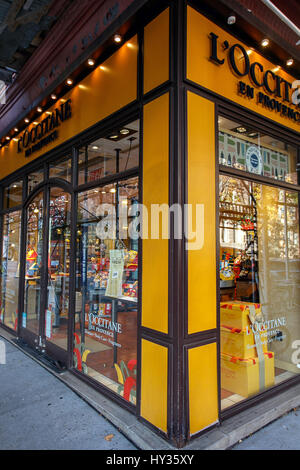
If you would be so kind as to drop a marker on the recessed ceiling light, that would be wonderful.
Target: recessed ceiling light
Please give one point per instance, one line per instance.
(124, 131)
(94, 147)
(103, 192)
(14, 185)
(39, 109)
(115, 136)
(53, 96)
(16, 129)
(35, 123)
(7, 137)
(276, 69)
(69, 81)
(26, 120)
(289, 62)
(117, 38)
(112, 190)
(265, 42)
(231, 19)
(241, 129)
(91, 62)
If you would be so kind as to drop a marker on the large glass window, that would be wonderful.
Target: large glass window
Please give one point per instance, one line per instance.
(244, 148)
(117, 152)
(105, 341)
(10, 269)
(61, 169)
(13, 195)
(259, 287)
(34, 179)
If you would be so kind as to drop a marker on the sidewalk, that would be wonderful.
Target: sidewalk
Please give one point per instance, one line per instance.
(38, 411)
(282, 434)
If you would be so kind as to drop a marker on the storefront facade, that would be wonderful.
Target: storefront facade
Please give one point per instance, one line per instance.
(182, 328)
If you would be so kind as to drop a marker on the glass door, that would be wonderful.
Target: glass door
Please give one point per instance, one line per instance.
(58, 273)
(44, 321)
(31, 315)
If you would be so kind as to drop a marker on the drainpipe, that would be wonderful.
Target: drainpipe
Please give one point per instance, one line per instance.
(283, 18)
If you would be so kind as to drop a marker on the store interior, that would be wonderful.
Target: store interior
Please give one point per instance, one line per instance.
(259, 276)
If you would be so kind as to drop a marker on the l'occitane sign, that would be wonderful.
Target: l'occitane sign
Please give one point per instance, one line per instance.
(220, 63)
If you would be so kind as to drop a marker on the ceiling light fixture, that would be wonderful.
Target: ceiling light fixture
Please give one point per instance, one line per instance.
(39, 109)
(115, 136)
(7, 137)
(265, 42)
(117, 38)
(124, 131)
(289, 62)
(53, 96)
(16, 129)
(241, 129)
(95, 147)
(69, 81)
(91, 62)
(231, 19)
(26, 120)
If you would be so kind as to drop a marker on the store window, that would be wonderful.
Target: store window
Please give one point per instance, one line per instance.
(10, 269)
(13, 195)
(259, 287)
(105, 340)
(61, 169)
(117, 152)
(244, 148)
(34, 179)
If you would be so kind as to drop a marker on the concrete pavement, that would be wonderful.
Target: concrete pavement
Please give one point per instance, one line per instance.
(38, 411)
(43, 410)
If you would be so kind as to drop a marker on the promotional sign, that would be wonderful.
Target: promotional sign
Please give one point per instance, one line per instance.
(116, 268)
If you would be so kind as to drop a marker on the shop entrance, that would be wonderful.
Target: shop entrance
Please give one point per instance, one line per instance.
(46, 273)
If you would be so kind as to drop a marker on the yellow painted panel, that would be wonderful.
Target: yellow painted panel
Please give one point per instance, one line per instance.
(156, 51)
(203, 387)
(154, 384)
(201, 255)
(101, 93)
(155, 191)
(220, 78)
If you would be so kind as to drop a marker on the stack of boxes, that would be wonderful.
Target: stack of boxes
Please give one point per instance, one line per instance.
(247, 367)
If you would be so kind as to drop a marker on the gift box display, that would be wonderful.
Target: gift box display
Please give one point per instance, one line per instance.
(244, 377)
(236, 313)
(246, 365)
(241, 343)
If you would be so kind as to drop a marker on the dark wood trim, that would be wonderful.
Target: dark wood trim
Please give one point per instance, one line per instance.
(234, 172)
(177, 293)
(156, 336)
(140, 92)
(218, 294)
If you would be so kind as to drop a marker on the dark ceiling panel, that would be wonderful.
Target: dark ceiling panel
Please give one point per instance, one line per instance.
(22, 25)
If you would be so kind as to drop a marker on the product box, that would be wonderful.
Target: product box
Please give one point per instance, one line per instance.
(242, 376)
(235, 314)
(242, 343)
